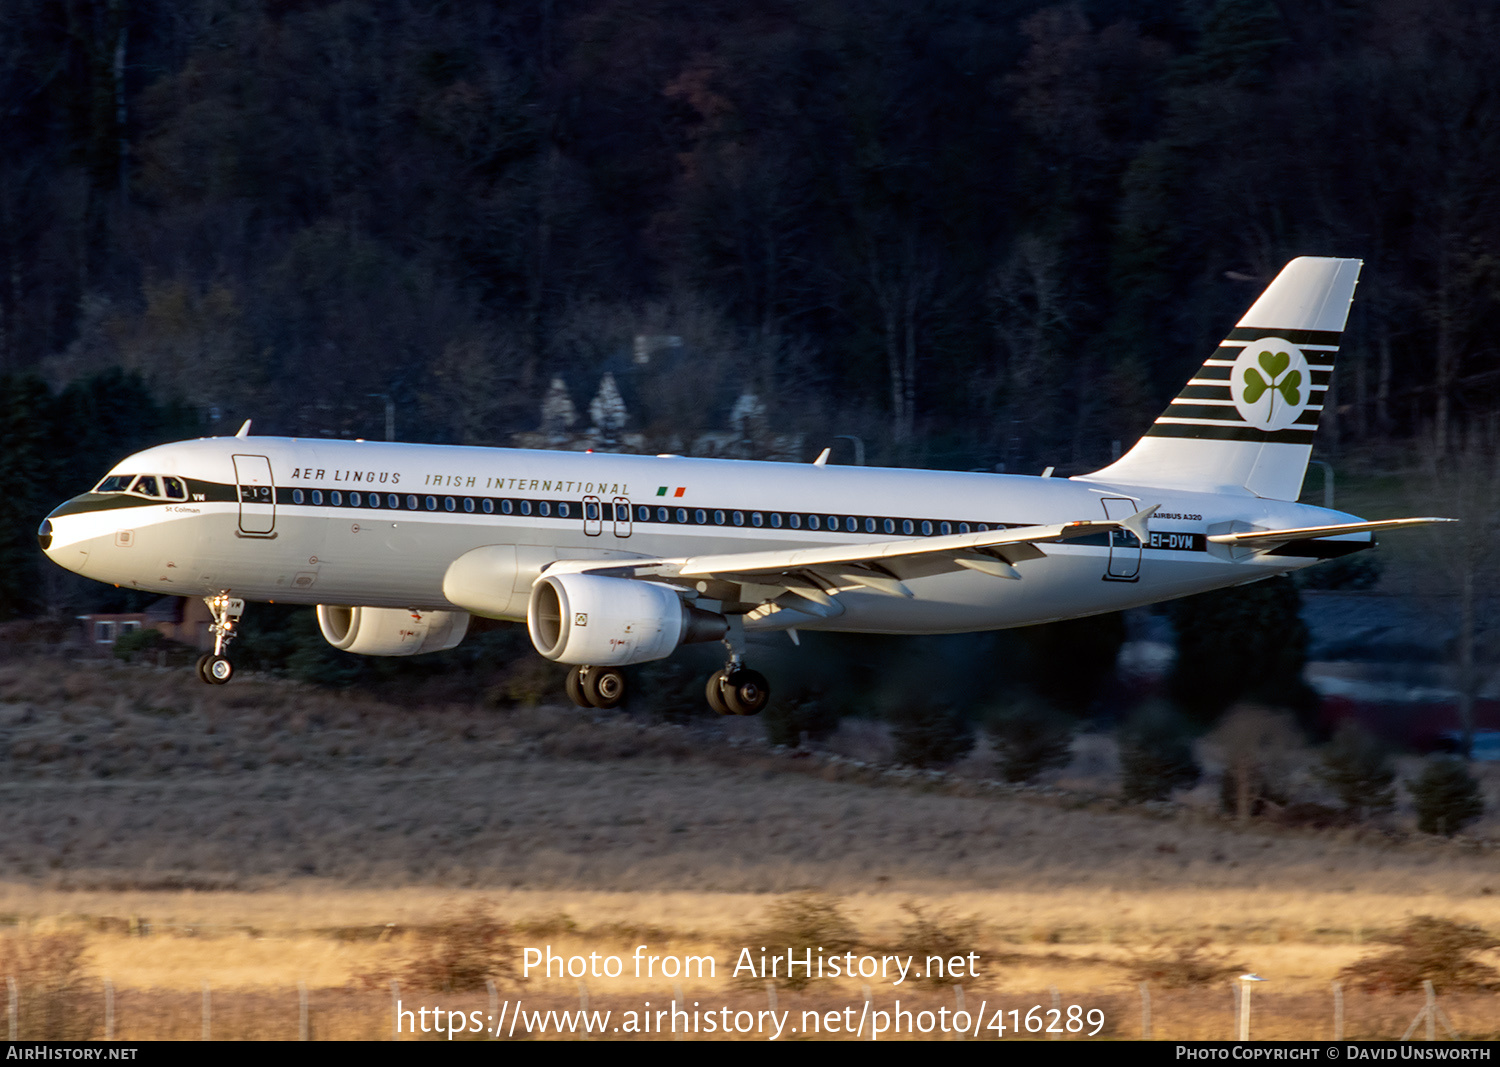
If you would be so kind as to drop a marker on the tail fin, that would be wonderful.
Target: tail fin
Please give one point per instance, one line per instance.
(1245, 421)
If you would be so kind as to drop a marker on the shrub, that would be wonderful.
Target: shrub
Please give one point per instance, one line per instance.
(49, 985)
(1156, 755)
(1030, 738)
(938, 933)
(807, 921)
(1428, 949)
(1446, 796)
(786, 721)
(140, 640)
(1182, 964)
(929, 735)
(1357, 768)
(1257, 746)
(456, 954)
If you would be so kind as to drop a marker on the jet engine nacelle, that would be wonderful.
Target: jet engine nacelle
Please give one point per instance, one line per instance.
(391, 631)
(609, 622)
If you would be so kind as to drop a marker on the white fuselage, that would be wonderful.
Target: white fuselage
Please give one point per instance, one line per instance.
(291, 521)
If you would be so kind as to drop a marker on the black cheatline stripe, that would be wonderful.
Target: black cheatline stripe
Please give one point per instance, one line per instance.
(1204, 392)
(1319, 360)
(1217, 412)
(1320, 378)
(1296, 337)
(1230, 354)
(1230, 433)
(1221, 373)
(1308, 418)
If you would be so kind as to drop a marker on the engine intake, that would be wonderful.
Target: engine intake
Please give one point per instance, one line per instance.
(391, 631)
(588, 619)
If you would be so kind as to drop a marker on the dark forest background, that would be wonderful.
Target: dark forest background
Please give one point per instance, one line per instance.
(974, 233)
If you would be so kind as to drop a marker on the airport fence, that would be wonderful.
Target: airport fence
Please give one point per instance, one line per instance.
(98, 1011)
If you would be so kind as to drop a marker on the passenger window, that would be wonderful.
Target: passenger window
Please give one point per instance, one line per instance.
(562, 509)
(336, 498)
(981, 526)
(739, 518)
(718, 518)
(543, 508)
(890, 526)
(776, 519)
(700, 516)
(506, 507)
(488, 505)
(794, 521)
(946, 528)
(643, 514)
(682, 514)
(663, 515)
(431, 503)
(354, 500)
(296, 496)
(963, 527)
(756, 519)
(591, 511)
(317, 496)
(926, 528)
(869, 526)
(812, 522)
(525, 507)
(469, 504)
(907, 527)
(851, 524)
(833, 522)
(449, 503)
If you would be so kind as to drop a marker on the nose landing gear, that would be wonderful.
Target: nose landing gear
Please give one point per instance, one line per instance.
(214, 668)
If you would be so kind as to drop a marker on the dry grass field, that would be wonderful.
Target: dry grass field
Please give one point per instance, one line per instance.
(266, 834)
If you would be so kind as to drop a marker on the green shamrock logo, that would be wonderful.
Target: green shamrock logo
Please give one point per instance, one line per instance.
(1275, 365)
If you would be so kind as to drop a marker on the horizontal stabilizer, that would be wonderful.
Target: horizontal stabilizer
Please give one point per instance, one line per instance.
(1302, 533)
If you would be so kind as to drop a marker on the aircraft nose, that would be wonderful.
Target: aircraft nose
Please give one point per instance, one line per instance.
(44, 535)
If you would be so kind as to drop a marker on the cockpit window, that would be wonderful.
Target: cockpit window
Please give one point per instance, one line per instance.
(145, 485)
(174, 488)
(115, 483)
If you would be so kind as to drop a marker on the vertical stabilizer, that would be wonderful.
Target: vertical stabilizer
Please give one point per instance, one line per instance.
(1245, 421)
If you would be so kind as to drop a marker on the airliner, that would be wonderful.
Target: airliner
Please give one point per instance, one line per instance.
(619, 559)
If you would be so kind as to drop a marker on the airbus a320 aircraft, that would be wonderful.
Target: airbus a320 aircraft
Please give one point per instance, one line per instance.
(613, 560)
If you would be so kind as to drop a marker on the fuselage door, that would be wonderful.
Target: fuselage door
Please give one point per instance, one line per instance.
(622, 516)
(257, 495)
(1124, 547)
(593, 517)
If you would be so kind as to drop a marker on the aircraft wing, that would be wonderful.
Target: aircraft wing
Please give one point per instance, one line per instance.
(1267, 538)
(812, 574)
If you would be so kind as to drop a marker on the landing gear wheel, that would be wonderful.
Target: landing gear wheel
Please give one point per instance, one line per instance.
(203, 668)
(714, 691)
(604, 687)
(746, 691)
(575, 687)
(218, 670)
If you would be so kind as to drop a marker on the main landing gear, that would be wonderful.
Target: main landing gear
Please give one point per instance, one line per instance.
(214, 668)
(596, 687)
(737, 690)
